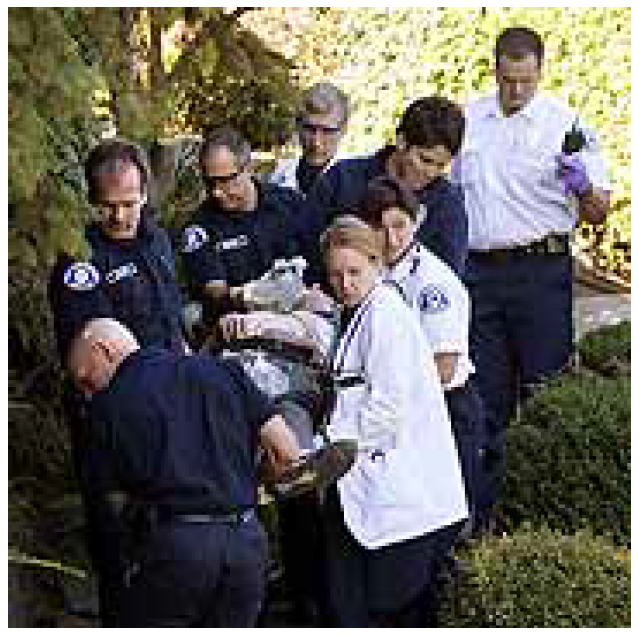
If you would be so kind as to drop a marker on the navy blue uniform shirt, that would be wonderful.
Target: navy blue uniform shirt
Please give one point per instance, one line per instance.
(132, 281)
(238, 247)
(181, 431)
(444, 231)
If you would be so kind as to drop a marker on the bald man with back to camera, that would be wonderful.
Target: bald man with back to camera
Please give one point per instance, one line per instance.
(179, 434)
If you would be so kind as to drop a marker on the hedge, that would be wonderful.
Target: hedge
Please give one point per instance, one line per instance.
(568, 458)
(607, 350)
(539, 578)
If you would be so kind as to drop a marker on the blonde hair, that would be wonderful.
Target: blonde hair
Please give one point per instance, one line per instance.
(350, 231)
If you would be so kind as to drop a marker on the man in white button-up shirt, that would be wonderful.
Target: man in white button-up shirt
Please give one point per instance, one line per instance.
(525, 186)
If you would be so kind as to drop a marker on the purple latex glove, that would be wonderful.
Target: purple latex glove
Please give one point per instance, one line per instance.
(573, 175)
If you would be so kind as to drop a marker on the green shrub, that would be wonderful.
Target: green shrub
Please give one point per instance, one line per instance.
(568, 458)
(607, 350)
(540, 578)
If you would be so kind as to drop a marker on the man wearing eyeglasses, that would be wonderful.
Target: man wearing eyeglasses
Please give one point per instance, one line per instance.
(235, 236)
(240, 229)
(321, 125)
(130, 277)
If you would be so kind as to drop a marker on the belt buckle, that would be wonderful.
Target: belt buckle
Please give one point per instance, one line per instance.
(240, 517)
(555, 244)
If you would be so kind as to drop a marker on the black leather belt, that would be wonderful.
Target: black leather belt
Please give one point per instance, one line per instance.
(553, 244)
(229, 518)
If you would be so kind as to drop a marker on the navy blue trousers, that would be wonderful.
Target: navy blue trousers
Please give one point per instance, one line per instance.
(468, 419)
(104, 534)
(391, 586)
(521, 330)
(302, 546)
(197, 575)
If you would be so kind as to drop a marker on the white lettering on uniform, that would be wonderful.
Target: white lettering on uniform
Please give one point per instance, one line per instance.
(234, 243)
(129, 269)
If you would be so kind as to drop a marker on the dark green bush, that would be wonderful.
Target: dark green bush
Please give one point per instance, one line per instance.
(568, 458)
(540, 578)
(607, 350)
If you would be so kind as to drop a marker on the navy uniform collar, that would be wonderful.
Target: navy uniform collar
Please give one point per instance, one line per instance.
(130, 364)
(145, 233)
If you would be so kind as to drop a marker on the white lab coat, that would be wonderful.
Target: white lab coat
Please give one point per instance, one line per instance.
(413, 485)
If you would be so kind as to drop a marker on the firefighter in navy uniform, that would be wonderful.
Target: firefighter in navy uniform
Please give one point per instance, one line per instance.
(131, 273)
(240, 229)
(429, 134)
(131, 277)
(321, 126)
(233, 239)
(177, 435)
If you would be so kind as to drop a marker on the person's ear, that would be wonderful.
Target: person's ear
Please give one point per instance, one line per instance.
(400, 142)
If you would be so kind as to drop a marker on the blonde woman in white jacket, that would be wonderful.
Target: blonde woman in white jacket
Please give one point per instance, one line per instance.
(396, 513)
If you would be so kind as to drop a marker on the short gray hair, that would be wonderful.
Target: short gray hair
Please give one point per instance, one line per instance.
(323, 98)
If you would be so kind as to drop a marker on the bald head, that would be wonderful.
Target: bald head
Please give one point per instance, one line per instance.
(97, 352)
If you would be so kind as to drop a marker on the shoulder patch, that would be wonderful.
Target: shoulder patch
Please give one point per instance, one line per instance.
(81, 276)
(432, 299)
(193, 238)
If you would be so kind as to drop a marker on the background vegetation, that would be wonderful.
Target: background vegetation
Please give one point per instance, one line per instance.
(158, 75)
(537, 577)
(562, 555)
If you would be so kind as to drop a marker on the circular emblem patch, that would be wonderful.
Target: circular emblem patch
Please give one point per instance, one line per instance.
(433, 299)
(193, 238)
(81, 276)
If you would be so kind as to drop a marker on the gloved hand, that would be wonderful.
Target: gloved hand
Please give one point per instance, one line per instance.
(573, 175)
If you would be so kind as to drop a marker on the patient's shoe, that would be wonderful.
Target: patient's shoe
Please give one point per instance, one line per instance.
(317, 469)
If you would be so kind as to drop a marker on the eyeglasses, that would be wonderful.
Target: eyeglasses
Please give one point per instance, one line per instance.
(308, 129)
(213, 182)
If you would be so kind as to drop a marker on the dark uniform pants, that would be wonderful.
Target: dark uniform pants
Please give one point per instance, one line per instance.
(468, 419)
(301, 534)
(390, 586)
(521, 328)
(197, 575)
(103, 530)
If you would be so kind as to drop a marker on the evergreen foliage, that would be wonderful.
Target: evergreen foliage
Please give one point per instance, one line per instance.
(607, 350)
(568, 458)
(537, 577)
